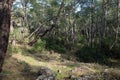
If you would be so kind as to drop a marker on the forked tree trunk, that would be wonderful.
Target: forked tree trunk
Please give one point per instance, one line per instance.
(4, 29)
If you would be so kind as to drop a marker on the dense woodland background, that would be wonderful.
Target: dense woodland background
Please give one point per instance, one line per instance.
(86, 31)
(65, 25)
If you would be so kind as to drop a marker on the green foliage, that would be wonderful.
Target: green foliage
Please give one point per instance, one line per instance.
(115, 52)
(55, 44)
(73, 26)
(81, 39)
(39, 46)
(57, 48)
(87, 54)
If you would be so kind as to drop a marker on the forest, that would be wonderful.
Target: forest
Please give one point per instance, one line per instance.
(59, 39)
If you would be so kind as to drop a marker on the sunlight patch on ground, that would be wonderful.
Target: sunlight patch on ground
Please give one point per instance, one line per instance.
(31, 61)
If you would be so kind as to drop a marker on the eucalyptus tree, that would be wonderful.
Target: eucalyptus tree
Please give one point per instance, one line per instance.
(5, 8)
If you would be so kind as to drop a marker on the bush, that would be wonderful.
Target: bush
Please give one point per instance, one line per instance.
(87, 54)
(115, 53)
(55, 44)
(57, 48)
(39, 46)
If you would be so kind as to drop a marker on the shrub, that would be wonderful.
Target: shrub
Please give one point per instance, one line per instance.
(39, 46)
(57, 48)
(115, 53)
(55, 44)
(87, 54)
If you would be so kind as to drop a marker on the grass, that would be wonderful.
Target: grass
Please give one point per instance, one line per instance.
(23, 65)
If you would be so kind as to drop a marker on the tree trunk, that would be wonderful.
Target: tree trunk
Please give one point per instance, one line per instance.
(91, 23)
(118, 26)
(53, 25)
(4, 29)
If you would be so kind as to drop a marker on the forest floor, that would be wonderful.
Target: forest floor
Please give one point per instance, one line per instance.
(24, 65)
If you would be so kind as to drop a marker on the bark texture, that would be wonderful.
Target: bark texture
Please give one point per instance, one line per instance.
(4, 29)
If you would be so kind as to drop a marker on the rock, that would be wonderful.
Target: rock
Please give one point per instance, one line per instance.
(106, 70)
(45, 73)
(51, 52)
(71, 77)
(62, 60)
(87, 77)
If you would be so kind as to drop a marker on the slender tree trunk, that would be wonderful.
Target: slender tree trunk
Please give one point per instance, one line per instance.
(74, 32)
(118, 26)
(102, 29)
(4, 29)
(91, 24)
(25, 20)
(103, 21)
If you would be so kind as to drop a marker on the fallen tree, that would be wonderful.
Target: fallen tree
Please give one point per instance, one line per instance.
(53, 24)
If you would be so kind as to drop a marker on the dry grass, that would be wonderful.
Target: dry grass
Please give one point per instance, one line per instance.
(24, 66)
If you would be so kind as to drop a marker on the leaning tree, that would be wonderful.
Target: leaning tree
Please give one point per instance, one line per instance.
(5, 7)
